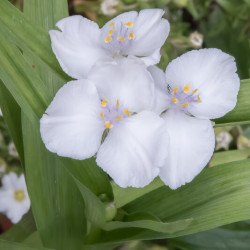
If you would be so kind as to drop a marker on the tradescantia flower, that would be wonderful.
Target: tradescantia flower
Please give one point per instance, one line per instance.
(114, 99)
(81, 43)
(14, 198)
(198, 86)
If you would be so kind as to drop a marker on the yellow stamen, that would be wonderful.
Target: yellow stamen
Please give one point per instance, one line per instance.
(119, 118)
(174, 100)
(19, 195)
(187, 88)
(112, 24)
(101, 114)
(185, 104)
(199, 99)
(117, 104)
(175, 90)
(121, 39)
(129, 25)
(107, 40)
(104, 103)
(125, 111)
(131, 36)
(111, 32)
(194, 91)
(108, 125)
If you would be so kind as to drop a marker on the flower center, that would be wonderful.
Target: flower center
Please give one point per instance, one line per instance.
(112, 115)
(119, 37)
(19, 195)
(184, 97)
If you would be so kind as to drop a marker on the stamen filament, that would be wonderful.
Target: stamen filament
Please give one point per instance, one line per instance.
(185, 104)
(129, 24)
(194, 91)
(175, 90)
(111, 32)
(187, 88)
(117, 104)
(199, 99)
(175, 100)
(108, 125)
(107, 40)
(118, 118)
(104, 103)
(131, 36)
(126, 112)
(121, 39)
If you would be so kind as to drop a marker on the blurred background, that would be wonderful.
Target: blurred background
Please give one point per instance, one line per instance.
(223, 24)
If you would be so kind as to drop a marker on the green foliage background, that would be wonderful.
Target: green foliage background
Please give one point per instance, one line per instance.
(74, 204)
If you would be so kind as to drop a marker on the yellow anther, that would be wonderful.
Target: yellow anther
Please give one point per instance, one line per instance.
(119, 118)
(117, 104)
(126, 112)
(112, 24)
(129, 25)
(104, 103)
(131, 36)
(108, 125)
(187, 88)
(107, 40)
(19, 195)
(174, 100)
(111, 32)
(121, 39)
(185, 104)
(101, 114)
(194, 91)
(175, 90)
(199, 99)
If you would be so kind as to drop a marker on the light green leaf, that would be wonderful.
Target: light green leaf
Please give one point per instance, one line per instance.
(7, 245)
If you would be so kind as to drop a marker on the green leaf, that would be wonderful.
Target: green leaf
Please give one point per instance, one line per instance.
(22, 230)
(219, 195)
(216, 239)
(241, 113)
(17, 246)
(12, 117)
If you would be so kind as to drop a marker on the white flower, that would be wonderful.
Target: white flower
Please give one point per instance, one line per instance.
(196, 39)
(223, 139)
(199, 85)
(74, 123)
(14, 199)
(108, 7)
(81, 43)
(12, 150)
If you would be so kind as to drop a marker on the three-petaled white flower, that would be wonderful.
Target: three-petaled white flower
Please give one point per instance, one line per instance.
(117, 97)
(80, 43)
(14, 198)
(198, 86)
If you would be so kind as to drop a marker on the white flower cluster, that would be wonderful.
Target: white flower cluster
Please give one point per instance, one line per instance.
(14, 198)
(138, 121)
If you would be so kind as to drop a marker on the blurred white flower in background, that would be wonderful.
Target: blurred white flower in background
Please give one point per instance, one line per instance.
(196, 39)
(3, 166)
(14, 198)
(109, 7)
(1, 114)
(12, 150)
(223, 139)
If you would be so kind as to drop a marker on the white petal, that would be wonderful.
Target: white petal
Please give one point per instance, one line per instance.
(191, 146)
(161, 99)
(126, 80)
(72, 125)
(78, 46)
(152, 59)
(151, 31)
(210, 71)
(9, 181)
(134, 150)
